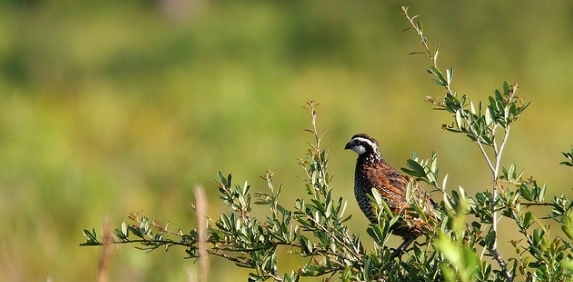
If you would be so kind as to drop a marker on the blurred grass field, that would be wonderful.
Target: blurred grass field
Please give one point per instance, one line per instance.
(111, 108)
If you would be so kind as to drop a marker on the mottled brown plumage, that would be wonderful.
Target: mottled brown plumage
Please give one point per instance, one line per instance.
(373, 172)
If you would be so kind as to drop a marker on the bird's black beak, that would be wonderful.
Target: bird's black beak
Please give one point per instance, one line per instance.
(348, 146)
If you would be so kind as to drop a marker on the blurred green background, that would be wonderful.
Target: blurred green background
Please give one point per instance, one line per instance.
(124, 106)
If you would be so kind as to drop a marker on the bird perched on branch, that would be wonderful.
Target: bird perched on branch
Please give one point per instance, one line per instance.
(373, 172)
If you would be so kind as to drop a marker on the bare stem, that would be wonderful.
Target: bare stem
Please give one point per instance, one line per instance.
(354, 255)
(106, 254)
(434, 61)
(420, 32)
(312, 110)
(202, 233)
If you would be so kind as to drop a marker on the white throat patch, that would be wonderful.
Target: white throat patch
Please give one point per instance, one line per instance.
(360, 149)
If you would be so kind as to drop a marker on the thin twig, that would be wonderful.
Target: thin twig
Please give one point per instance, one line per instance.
(495, 195)
(529, 204)
(239, 261)
(342, 243)
(497, 151)
(446, 86)
(480, 145)
(424, 42)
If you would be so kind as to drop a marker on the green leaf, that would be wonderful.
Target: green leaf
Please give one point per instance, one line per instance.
(568, 264)
(567, 224)
(488, 116)
(438, 82)
(511, 172)
(525, 192)
(368, 269)
(460, 257)
(91, 238)
(459, 123)
(449, 75)
(444, 181)
(375, 232)
(507, 87)
(416, 169)
(527, 220)
(419, 26)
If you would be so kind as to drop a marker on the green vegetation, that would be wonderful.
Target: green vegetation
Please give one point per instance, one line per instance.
(122, 107)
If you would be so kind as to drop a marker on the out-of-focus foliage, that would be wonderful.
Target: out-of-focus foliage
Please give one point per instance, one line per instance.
(118, 106)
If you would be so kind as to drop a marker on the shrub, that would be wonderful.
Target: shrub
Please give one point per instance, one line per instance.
(456, 248)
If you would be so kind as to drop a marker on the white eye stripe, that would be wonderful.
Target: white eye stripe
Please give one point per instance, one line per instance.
(367, 141)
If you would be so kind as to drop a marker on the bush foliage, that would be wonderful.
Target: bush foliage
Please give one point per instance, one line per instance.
(461, 245)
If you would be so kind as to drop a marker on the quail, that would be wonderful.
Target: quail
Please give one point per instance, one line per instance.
(372, 171)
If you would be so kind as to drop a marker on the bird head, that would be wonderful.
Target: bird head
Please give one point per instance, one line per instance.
(363, 144)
